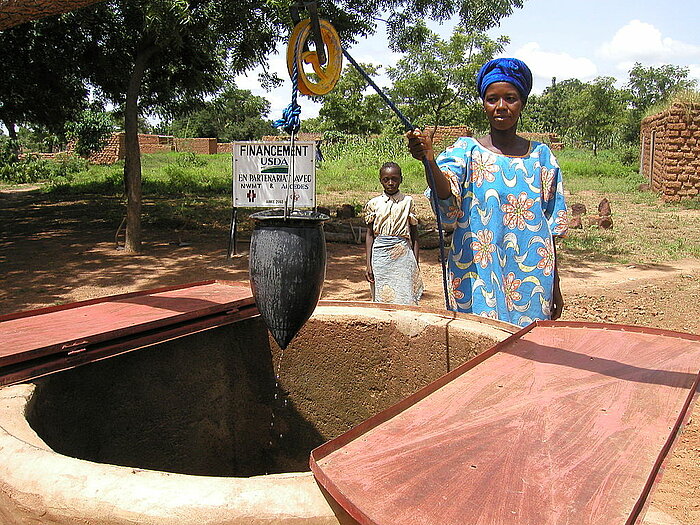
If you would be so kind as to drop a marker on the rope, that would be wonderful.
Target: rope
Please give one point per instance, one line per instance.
(290, 121)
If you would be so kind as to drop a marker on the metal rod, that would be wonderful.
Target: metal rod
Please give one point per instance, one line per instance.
(407, 124)
(429, 172)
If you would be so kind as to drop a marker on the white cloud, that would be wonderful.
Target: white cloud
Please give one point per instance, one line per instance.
(548, 64)
(639, 41)
(694, 72)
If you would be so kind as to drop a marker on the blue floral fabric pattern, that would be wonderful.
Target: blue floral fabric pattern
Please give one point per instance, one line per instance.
(506, 211)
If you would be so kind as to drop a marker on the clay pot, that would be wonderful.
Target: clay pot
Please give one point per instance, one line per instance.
(287, 267)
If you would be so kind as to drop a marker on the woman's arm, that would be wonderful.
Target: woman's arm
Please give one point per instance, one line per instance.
(369, 241)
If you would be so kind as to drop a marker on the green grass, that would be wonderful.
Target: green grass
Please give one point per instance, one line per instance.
(605, 173)
(190, 191)
(592, 244)
(688, 98)
(161, 174)
(354, 165)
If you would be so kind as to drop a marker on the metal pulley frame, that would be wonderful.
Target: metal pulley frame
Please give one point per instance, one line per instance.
(327, 66)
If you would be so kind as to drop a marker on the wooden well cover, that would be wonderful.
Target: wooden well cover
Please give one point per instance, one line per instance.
(562, 423)
(37, 342)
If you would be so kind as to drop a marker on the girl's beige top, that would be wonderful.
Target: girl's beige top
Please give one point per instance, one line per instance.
(391, 215)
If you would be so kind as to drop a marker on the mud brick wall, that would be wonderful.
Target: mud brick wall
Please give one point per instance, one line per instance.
(155, 143)
(111, 153)
(114, 150)
(670, 152)
(224, 147)
(551, 139)
(199, 146)
(444, 136)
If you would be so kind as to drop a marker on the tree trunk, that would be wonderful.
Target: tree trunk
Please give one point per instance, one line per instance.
(12, 133)
(132, 154)
(11, 130)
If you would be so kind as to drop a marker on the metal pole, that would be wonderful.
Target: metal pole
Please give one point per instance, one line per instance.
(232, 234)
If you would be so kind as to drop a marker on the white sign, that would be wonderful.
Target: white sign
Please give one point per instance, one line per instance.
(261, 174)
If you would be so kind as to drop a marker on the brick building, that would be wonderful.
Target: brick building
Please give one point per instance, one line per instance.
(670, 151)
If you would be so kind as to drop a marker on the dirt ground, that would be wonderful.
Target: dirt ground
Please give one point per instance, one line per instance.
(53, 253)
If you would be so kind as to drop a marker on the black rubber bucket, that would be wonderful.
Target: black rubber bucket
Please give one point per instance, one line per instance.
(287, 268)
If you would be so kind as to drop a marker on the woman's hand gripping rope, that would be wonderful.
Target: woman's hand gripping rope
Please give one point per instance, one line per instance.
(420, 144)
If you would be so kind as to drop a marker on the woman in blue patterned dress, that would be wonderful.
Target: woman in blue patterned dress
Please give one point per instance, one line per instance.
(504, 195)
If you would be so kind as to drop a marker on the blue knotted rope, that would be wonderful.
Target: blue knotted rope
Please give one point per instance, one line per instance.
(290, 121)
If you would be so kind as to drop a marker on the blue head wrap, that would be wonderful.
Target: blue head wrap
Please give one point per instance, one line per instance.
(505, 70)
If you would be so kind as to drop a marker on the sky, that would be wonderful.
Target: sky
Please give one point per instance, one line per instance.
(565, 39)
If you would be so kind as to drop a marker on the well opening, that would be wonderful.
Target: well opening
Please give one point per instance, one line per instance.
(206, 404)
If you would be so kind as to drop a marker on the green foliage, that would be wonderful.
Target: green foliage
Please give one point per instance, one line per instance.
(31, 169)
(352, 164)
(596, 111)
(43, 82)
(314, 125)
(234, 114)
(628, 155)
(406, 27)
(552, 111)
(439, 87)
(334, 137)
(610, 171)
(187, 174)
(189, 159)
(686, 98)
(90, 131)
(650, 85)
(347, 109)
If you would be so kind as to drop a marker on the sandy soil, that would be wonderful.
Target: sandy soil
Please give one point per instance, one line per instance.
(52, 253)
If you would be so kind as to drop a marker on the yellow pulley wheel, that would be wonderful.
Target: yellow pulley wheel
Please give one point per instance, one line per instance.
(328, 73)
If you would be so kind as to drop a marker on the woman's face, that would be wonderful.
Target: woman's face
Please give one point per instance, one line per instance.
(503, 104)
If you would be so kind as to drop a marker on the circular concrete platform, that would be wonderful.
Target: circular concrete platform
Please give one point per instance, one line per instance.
(175, 433)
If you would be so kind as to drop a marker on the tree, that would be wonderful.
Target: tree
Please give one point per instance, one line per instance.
(439, 87)
(346, 109)
(234, 114)
(166, 55)
(596, 110)
(552, 111)
(90, 131)
(650, 85)
(42, 82)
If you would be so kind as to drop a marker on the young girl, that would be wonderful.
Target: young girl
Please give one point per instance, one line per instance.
(392, 242)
